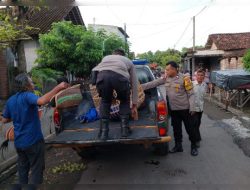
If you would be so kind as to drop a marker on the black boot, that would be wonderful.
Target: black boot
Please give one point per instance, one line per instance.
(104, 129)
(194, 150)
(125, 129)
(177, 148)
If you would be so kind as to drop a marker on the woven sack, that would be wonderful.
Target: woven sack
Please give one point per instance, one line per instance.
(114, 109)
(69, 97)
(141, 95)
(9, 134)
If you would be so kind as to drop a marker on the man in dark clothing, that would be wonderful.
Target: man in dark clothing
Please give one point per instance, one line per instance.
(116, 72)
(179, 90)
(22, 109)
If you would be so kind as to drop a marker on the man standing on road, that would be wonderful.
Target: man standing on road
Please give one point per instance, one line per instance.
(116, 72)
(22, 109)
(179, 90)
(200, 88)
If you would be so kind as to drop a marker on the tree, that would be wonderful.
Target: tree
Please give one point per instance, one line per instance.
(70, 47)
(11, 29)
(246, 60)
(148, 55)
(162, 57)
(111, 42)
(43, 76)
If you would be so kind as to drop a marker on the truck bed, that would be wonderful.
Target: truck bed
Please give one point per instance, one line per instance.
(143, 129)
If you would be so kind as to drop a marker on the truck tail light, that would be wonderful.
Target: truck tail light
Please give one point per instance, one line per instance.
(162, 118)
(161, 110)
(162, 131)
(56, 117)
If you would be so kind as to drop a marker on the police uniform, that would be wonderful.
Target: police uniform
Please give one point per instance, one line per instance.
(179, 90)
(181, 99)
(117, 73)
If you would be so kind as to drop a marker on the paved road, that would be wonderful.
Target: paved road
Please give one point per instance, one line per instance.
(220, 161)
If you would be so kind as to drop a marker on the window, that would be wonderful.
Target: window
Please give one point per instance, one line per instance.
(143, 75)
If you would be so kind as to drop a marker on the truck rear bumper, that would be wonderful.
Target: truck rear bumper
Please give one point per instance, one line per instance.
(82, 144)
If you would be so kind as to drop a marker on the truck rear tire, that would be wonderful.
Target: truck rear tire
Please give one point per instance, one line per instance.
(161, 149)
(87, 153)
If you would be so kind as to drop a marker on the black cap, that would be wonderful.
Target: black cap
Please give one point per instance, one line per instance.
(119, 51)
(173, 64)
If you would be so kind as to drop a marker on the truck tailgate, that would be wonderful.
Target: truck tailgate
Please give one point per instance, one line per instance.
(89, 136)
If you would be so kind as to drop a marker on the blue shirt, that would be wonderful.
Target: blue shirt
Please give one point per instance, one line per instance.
(22, 109)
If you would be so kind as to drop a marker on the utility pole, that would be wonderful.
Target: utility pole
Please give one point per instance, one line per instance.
(193, 59)
(125, 38)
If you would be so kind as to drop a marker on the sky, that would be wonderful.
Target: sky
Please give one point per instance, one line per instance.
(161, 24)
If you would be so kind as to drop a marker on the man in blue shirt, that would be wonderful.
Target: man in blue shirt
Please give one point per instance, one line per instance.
(22, 110)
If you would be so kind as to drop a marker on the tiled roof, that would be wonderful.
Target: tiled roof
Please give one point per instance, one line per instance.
(42, 20)
(229, 41)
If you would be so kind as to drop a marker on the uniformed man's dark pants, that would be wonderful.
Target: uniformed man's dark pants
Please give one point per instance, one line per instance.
(107, 81)
(178, 117)
(196, 122)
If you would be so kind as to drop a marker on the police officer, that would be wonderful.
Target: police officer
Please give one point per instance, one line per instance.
(116, 72)
(180, 94)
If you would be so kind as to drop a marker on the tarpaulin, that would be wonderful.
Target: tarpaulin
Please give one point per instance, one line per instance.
(230, 79)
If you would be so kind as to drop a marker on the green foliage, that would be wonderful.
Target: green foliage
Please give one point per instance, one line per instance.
(111, 42)
(246, 60)
(68, 167)
(161, 57)
(9, 29)
(41, 75)
(12, 27)
(70, 47)
(147, 55)
(88, 52)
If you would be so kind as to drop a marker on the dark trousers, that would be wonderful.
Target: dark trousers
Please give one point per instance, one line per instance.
(107, 81)
(178, 117)
(196, 122)
(31, 159)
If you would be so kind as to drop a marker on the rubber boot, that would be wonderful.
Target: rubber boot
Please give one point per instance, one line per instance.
(194, 150)
(125, 129)
(177, 148)
(104, 129)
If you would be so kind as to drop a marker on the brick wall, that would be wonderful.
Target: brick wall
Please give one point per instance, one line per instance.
(232, 63)
(4, 87)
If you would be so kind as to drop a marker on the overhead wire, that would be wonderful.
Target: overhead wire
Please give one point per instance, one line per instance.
(111, 10)
(143, 10)
(158, 32)
(183, 33)
(204, 8)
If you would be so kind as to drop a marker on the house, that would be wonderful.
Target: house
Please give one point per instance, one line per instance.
(24, 55)
(41, 22)
(119, 31)
(222, 51)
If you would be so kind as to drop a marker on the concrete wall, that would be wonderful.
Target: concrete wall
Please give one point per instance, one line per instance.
(30, 48)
